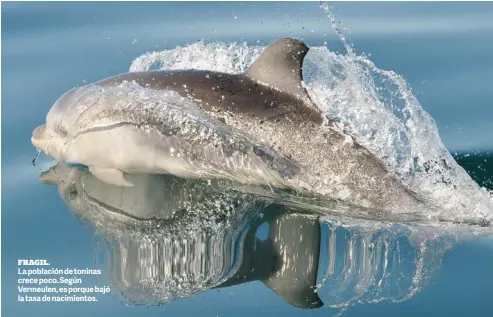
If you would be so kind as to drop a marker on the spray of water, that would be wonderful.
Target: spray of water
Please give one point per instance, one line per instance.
(155, 262)
(374, 106)
(378, 107)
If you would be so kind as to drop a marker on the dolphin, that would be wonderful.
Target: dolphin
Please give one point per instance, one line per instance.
(156, 243)
(258, 127)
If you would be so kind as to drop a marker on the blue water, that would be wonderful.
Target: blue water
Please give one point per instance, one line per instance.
(443, 50)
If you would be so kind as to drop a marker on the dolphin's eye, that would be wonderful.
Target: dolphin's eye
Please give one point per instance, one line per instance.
(62, 131)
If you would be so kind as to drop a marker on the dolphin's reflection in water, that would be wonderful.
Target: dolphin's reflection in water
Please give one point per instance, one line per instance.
(168, 238)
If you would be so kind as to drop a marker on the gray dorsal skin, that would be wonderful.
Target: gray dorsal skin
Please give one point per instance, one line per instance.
(269, 103)
(280, 66)
(266, 105)
(270, 89)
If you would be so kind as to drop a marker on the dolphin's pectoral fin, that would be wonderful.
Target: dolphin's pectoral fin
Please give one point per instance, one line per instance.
(280, 65)
(110, 176)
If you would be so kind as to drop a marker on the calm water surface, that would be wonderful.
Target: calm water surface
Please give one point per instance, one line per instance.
(444, 51)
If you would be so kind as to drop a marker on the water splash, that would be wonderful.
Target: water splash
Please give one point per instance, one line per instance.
(36, 158)
(379, 109)
(42, 162)
(374, 106)
(338, 28)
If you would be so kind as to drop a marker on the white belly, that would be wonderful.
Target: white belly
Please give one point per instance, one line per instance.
(130, 149)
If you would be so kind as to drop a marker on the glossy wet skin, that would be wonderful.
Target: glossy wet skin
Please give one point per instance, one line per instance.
(282, 99)
(53, 136)
(48, 141)
(269, 91)
(266, 104)
(92, 126)
(236, 94)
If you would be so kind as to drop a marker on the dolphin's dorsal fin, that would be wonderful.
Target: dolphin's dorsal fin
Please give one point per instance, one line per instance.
(280, 66)
(296, 239)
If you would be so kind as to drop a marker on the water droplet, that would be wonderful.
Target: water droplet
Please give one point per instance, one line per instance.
(36, 157)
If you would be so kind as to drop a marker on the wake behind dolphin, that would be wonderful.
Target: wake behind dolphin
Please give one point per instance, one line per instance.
(258, 127)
